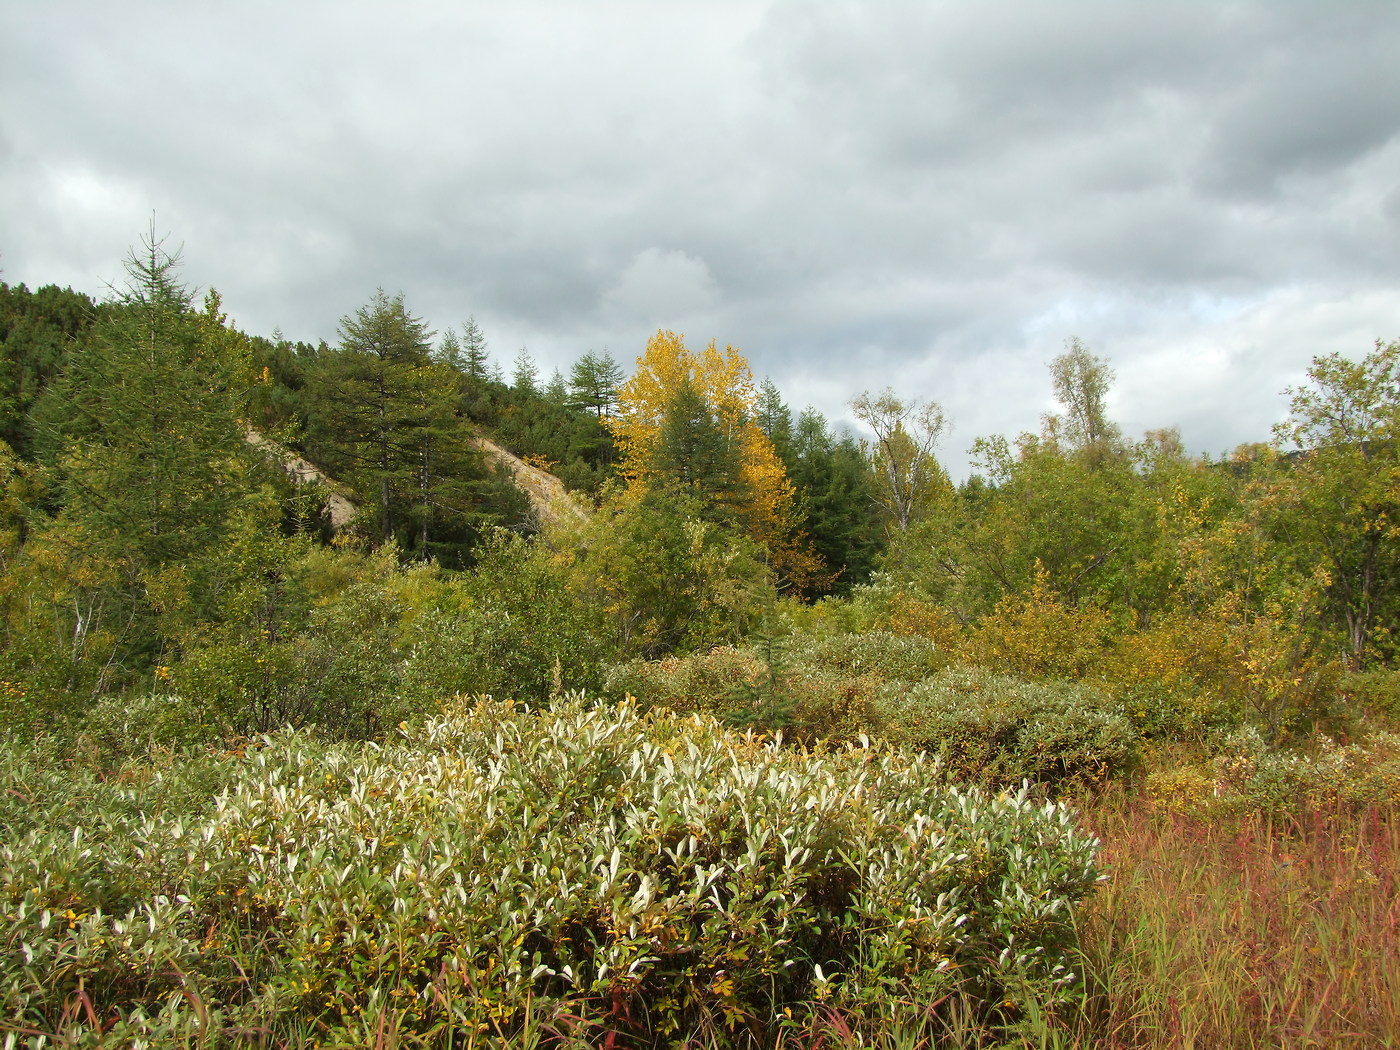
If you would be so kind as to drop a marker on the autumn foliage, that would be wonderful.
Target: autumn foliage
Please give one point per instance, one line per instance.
(766, 508)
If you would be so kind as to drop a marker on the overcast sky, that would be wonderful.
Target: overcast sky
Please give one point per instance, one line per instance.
(932, 196)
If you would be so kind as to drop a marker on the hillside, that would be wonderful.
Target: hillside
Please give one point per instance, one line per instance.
(550, 500)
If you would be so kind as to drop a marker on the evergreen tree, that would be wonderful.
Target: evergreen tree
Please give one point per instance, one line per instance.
(692, 452)
(154, 457)
(594, 382)
(156, 480)
(774, 418)
(837, 498)
(476, 362)
(372, 408)
(556, 392)
(37, 331)
(388, 421)
(449, 352)
(525, 380)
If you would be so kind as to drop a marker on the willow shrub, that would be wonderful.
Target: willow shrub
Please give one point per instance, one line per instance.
(993, 728)
(643, 875)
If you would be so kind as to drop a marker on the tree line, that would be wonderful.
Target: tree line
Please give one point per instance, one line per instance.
(147, 543)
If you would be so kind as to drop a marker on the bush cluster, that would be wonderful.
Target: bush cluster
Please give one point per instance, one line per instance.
(1249, 775)
(752, 688)
(994, 728)
(497, 869)
(812, 687)
(982, 726)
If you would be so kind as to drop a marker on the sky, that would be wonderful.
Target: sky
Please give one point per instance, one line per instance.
(929, 196)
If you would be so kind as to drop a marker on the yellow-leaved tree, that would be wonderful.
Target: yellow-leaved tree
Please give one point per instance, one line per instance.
(689, 418)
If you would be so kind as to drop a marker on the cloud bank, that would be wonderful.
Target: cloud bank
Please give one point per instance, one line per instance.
(931, 196)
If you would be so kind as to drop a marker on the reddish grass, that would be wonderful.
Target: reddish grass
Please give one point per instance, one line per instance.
(1243, 931)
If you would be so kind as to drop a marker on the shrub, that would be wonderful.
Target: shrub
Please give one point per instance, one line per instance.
(1248, 775)
(884, 654)
(1035, 635)
(998, 729)
(1376, 692)
(749, 688)
(648, 875)
(1175, 678)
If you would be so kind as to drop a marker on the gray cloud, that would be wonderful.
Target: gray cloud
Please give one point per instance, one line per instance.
(927, 195)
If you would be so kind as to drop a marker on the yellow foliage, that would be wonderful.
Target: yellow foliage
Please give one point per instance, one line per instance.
(1035, 636)
(723, 379)
(926, 619)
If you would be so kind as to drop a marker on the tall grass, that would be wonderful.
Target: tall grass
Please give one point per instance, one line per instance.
(1209, 932)
(1243, 931)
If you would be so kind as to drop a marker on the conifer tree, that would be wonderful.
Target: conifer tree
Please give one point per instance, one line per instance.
(372, 411)
(722, 380)
(476, 362)
(155, 460)
(594, 382)
(692, 452)
(525, 381)
(155, 479)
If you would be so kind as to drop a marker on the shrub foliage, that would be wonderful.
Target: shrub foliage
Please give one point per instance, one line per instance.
(655, 874)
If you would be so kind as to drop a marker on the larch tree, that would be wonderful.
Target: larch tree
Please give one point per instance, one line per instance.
(525, 380)
(594, 382)
(155, 475)
(476, 362)
(387, 416)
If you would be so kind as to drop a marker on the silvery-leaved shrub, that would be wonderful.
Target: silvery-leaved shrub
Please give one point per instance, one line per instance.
(650, 875)
(888, 656)
(997, 729)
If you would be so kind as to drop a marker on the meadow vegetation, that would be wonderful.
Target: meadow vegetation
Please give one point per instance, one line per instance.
(789, 742)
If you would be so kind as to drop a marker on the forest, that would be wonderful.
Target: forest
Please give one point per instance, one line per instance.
(766, 735)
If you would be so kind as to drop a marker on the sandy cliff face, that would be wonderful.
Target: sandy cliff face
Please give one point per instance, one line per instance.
(551, 500)
(339, 507)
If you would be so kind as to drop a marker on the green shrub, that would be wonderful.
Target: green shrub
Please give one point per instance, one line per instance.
(122, 727)
(903, 657)
(996, 729)
(812, 687)
(1248, 775)
(1377, 693)
(647, 876)
(742, 688)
